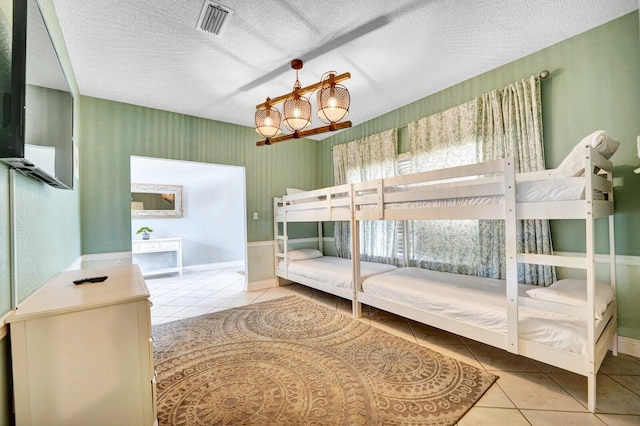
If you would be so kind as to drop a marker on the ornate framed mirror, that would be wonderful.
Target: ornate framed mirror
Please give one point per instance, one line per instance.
(156, 200)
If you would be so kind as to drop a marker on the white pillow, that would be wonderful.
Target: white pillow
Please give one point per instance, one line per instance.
(573, 291)
(573, 163)
(303, 254)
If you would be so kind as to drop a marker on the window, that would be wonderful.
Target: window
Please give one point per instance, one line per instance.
(441, 245)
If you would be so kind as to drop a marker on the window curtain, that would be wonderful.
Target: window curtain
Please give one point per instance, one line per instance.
(372, 157)
(498, 124)
(510, 125)
(445, 139)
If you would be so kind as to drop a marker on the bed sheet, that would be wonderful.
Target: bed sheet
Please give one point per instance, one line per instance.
(476, 301)
(335, 271)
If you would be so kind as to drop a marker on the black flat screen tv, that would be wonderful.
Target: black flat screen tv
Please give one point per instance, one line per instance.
(36, 136)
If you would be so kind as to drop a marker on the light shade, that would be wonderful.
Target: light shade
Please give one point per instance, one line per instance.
(268, 121)
(332, 100)
(297, 113)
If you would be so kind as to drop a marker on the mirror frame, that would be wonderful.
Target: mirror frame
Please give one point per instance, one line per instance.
(159, 189)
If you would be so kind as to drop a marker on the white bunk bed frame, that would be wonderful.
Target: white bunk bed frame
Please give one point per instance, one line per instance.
(320, 205)
(386, 199)
(382, 200)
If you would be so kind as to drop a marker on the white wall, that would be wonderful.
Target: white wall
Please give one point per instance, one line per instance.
(213, 227)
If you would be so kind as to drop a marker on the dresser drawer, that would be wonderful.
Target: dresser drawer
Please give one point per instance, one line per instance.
(148, 246)
(170, 245)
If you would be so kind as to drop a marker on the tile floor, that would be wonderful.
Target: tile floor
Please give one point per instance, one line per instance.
(527, 392)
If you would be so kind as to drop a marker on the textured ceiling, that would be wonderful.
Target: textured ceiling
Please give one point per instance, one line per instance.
(149, 53)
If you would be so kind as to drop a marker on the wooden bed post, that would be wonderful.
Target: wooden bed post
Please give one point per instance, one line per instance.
(612, 267)
(276, 243)
(355, 257)
(511, 261)
(320, 238)
(591, 289)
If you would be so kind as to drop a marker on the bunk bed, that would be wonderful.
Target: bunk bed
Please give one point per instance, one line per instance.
(570, 324)
(309, 266)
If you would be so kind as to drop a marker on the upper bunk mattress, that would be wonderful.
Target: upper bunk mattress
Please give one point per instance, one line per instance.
(564, 189)
(477, 301)
(335, 271)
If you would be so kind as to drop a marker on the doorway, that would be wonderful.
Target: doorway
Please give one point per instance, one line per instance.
(212, 224)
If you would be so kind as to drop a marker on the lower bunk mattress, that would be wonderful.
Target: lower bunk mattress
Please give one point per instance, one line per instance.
(335, 271)
(477, 301)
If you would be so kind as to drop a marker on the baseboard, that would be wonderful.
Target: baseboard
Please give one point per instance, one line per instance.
(629, 346)
(124, 257)
(217, 265)
(261, 285)
(105, 259)
(75, 265)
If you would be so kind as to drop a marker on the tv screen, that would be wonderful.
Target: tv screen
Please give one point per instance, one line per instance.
(37, 109)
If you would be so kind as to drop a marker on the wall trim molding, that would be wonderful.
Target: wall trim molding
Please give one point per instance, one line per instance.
(76, 264)
(261, 285)
(216, 265)
(106, 256)
(121, 255)
(297, 240)
(604, 258)
(629, 346)
(260, 243)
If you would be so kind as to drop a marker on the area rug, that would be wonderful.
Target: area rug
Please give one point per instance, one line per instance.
(292, 362)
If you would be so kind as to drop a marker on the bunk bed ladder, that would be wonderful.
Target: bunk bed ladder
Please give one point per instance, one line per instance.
(511, 262)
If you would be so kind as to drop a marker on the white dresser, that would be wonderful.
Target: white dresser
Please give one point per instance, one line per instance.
(159, 245)
(83, 354)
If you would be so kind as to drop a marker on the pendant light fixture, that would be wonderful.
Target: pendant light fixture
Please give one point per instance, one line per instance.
(267, 120)
(333, 99)
(332, 107)
(297, 108)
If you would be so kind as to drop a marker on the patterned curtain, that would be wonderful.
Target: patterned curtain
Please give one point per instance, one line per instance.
(498, 124)
(510, 125)
(445, 139)
(372, 157)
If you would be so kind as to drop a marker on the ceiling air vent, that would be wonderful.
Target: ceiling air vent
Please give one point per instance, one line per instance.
(213, 17)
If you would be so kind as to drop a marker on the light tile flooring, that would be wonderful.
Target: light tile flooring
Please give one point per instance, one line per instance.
(527, 392)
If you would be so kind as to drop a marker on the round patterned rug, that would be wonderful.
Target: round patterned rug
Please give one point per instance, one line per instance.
(292, 362)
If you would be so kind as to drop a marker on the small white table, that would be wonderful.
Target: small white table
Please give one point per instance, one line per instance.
(159, 245)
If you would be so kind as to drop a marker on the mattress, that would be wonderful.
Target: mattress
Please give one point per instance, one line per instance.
(550, 190)
(565, 189)
(335, 271)
(476, 301)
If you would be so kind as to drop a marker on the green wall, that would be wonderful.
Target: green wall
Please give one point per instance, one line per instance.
(47, 237)
(594, 84)
(112, 132)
